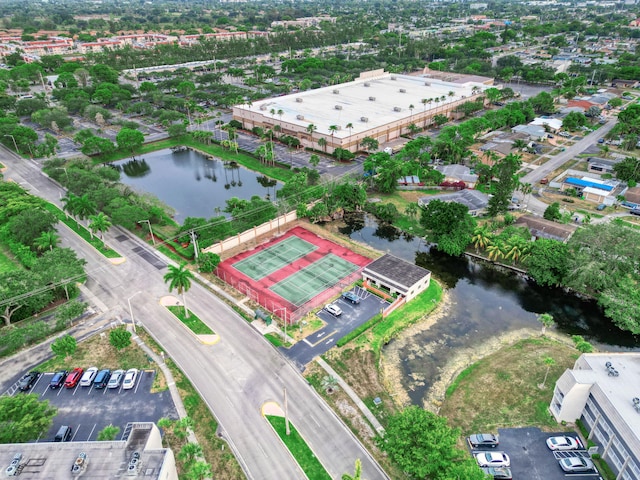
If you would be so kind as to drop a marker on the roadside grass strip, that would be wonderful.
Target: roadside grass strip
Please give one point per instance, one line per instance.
(273, 258)
(299, 449)
(193, 323)
(83, 232)
(310, 281)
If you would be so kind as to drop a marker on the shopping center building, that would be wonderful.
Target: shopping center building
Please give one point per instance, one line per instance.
(377, 104)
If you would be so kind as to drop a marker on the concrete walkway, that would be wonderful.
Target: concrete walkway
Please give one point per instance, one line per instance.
(356, 399)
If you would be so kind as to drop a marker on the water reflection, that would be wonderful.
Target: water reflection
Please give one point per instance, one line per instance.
(193, 184)
(485, 302)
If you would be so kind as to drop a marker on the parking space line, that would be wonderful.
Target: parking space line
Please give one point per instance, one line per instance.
(91, 432)
(76, 430)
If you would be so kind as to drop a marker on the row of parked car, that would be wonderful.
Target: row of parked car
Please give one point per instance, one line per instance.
(497, 464)
(335, 310)
(104, 378)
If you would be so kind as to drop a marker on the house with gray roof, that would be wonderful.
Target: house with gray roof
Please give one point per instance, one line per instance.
(474, 200)
(534, 132)
(457, 173)
(397, 276)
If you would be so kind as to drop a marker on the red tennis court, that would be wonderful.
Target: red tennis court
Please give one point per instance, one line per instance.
(294, 273)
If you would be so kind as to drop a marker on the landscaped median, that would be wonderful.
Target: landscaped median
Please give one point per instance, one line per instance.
(192, 323)
(294, 442)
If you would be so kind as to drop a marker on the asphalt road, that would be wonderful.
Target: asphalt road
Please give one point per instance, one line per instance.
(235, 377)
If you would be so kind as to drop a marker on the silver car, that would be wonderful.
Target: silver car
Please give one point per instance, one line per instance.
(116, 378)
(577, 464)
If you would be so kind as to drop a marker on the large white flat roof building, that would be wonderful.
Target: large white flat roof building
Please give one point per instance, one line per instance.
(93, 460)
(603, 391)
(378, 104)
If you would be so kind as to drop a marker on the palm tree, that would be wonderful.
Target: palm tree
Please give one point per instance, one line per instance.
(329, 383)
(180, 279)
(349, 126)
(99, 223)
(549, 362)
(546, 320)
(322, 142)
(516, 247)
(357, 474)
(481, 237)
(495, 251)
(84, 207)
(47, 240)
(199, 471)
(189, 452)
(310, 129)
(333, 129)
(411, 210)
(526, 189)
(411, 107)
(70, 202)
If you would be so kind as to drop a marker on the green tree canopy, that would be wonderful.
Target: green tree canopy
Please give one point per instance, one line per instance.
(547, 261)
(450, 225)
(24, 418)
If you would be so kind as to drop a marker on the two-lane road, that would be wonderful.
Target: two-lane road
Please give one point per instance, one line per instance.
(236, 376)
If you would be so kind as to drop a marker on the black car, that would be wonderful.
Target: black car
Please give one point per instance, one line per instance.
(58, 379)
(351, 297)
(635, 211)
(28, 380)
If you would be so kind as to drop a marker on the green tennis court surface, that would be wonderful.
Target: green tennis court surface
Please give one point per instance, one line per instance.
(261, 264)
(317, 277)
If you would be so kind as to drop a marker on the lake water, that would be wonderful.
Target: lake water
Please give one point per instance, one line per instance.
(190, 183)
(485, 302)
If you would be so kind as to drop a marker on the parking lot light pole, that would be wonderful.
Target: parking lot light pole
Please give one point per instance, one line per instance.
(150, 231)
(14, 143)
(131, 310)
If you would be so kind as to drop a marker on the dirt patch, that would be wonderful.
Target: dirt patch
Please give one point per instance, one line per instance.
(505, 389)
(390, 362)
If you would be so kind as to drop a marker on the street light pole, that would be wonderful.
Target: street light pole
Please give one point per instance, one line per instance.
(131, 310)
(14, 142)
(150, 231)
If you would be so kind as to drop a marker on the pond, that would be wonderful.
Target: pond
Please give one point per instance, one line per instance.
(192, 184)
(485, 302)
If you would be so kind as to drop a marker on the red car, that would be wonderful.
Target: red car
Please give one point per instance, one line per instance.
(73, 378)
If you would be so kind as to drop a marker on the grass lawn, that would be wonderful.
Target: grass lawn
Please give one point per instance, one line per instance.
(299, 449)
(275, 340)
(6, 264)
(196, 325)
(98, 352)
(83, 232)
(504, 389)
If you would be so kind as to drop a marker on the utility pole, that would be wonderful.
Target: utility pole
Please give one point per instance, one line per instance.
(286, 413)
(194, 240)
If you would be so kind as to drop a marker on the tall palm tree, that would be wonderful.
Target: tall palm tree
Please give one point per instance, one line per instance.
(70, 202)
(495, 251)
(47, 240)
(322, 142)
(349, 126)
(333, 129)
(179, 278)
(99, 223)
(84, 207)
(310, 129)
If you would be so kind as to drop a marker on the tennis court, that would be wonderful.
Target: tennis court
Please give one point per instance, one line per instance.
(317, 277)
(271, 259)
(293, 273)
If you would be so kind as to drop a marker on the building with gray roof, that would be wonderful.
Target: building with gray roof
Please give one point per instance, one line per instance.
(397, 276)
(474, 200)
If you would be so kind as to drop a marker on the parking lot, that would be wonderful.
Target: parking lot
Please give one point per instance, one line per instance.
(353, 315)
(530, 457)
(88, 410)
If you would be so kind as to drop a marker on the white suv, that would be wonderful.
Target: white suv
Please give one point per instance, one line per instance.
(88, 376)
(333, 309)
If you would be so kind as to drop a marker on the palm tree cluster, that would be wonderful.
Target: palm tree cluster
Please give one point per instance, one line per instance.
(510, 244)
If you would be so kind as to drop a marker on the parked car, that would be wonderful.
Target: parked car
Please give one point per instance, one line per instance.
(483, 440)
(577, 464)
(64, 434)
(102, 378)
(116, 378)
(351, 297)
(601, 140)
(333, 309)
(498, 473)
(601, 207)
(28, 380)
(58, 379)
(493, 459)
(564, 134)
(130, 379)
(635, 211)
(73, 378)
(88, 377)
(563, 443)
